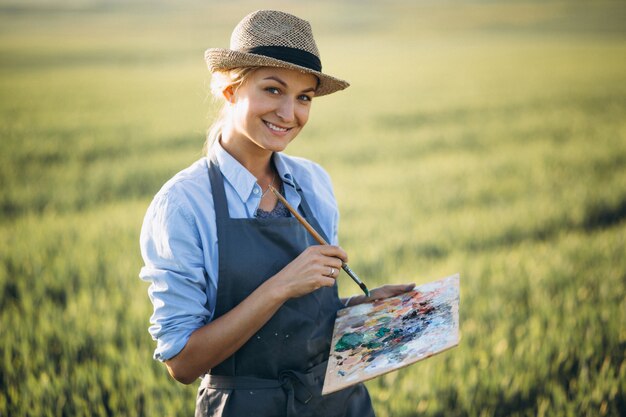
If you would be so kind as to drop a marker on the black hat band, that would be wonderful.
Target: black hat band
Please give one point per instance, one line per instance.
(291, 55)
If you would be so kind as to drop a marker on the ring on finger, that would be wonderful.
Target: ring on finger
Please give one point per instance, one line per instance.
(332, 272)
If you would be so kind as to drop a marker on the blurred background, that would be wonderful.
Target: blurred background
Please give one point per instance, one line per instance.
(481, 137)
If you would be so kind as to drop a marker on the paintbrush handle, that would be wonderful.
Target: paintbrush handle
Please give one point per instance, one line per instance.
(319, 238)
(301, 219)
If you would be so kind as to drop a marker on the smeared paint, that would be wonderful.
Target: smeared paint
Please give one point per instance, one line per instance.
(348, 341)
(358, 324)
(384, 335)
(382, 331)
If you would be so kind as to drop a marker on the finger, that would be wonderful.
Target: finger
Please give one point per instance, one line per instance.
(407, 287)
(329, 271)
(334, 251)
(333, 263)
(333, 272)
(391, 290)
(327, 282)
(400, 288)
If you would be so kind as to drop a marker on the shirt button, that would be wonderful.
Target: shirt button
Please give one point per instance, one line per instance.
(255, 190)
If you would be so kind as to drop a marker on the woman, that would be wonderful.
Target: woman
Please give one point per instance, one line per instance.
(242, 294)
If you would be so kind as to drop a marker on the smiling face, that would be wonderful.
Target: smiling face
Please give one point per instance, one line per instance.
(268, 110)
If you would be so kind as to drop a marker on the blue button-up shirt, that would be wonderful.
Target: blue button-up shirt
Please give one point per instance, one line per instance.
(179, 238)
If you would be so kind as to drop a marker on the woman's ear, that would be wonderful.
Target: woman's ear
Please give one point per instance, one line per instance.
(229, 94)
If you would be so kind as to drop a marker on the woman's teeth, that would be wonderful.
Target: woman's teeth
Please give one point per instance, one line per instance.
(276, 128)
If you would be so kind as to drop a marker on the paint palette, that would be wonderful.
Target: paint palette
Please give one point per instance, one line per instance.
(374, 338)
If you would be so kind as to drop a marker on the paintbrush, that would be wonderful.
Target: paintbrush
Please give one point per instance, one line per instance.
(319, 238)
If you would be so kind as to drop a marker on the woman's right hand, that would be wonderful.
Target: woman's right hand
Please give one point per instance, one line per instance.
(317, 266)
(220, 338)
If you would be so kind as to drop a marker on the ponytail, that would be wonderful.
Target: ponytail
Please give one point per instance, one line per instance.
(221, 80)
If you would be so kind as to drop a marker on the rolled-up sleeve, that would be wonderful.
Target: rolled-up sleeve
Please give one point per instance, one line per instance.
(174, 266)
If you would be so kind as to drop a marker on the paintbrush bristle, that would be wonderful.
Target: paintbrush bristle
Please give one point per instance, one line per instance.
(365, 290)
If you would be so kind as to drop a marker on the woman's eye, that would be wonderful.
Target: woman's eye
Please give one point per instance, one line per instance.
(304, 97)
(272, 90)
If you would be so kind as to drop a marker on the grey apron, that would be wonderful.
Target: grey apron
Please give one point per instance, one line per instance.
(280, 370)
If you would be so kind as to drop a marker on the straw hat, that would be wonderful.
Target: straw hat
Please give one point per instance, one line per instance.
(270, 38)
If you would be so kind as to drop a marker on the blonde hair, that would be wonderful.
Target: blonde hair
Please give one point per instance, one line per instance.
(220, 80)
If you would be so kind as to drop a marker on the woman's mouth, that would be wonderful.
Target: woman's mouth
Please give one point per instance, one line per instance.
(276, 128)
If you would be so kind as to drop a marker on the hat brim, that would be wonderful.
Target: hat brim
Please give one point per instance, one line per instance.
(219, 59)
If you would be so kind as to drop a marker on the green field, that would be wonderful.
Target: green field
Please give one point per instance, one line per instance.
(485, 138)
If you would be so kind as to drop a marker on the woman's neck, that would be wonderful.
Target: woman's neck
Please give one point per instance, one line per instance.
(253, 158)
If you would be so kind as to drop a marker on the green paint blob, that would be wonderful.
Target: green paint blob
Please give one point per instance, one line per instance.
(372, 345)
(382, 331)
(348, 341)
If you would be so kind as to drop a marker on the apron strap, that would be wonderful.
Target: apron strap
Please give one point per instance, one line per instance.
(238, 382)
(217, 188)
(221, 204)
(298, 386)
(306, 209)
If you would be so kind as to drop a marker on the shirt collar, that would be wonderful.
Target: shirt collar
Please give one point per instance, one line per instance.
(237, 175)
(242, 181)
(283, 170)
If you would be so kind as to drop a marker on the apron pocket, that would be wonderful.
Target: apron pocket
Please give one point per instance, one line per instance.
(217, 402)
(211, 402)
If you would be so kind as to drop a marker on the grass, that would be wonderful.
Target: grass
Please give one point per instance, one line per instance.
(477, 137)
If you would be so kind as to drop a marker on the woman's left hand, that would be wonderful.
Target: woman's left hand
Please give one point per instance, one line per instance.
(385, 291)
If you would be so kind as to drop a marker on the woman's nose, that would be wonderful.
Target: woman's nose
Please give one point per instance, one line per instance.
(286, 110)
